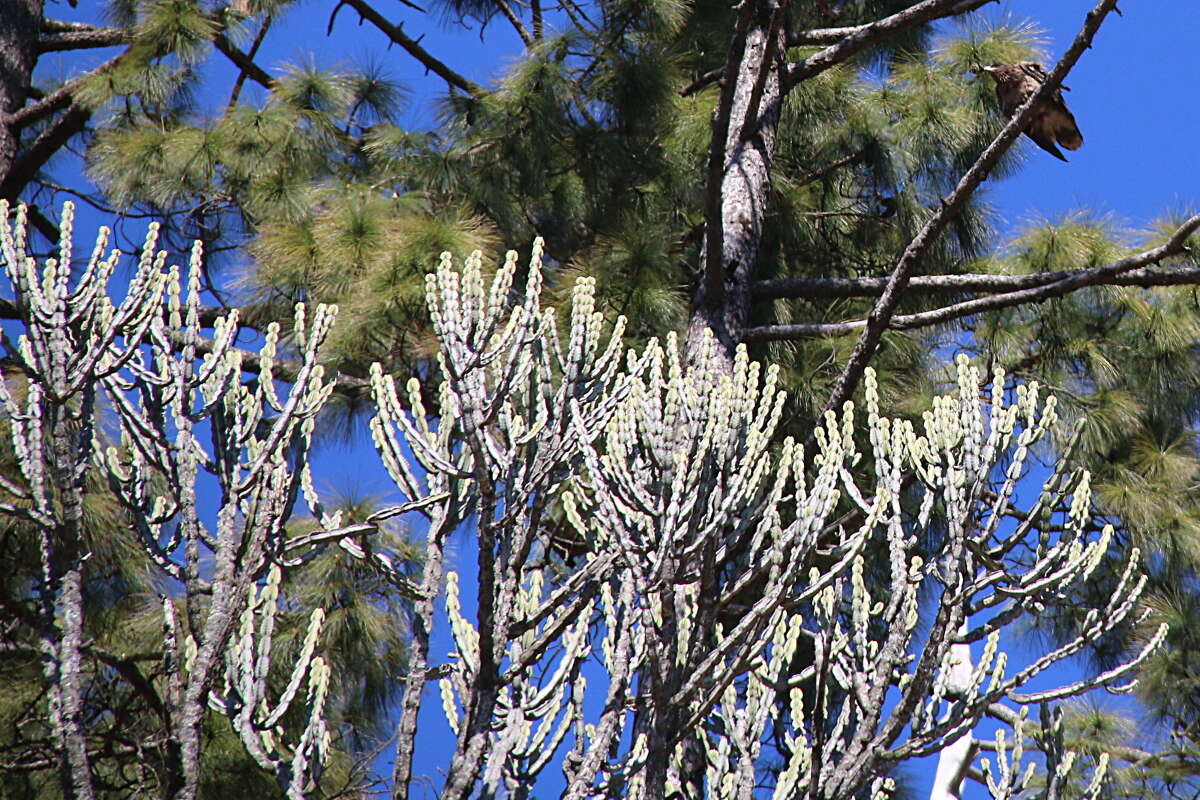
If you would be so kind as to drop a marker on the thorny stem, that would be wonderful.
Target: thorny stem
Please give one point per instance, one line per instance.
(474, 730)
(414, 49)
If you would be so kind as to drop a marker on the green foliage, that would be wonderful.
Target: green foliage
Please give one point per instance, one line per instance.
(319, 192)
(364, 638)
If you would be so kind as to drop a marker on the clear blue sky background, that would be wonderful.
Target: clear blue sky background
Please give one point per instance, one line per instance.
(1135, 96)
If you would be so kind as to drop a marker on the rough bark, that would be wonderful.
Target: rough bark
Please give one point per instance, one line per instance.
(473, 741)
(473, 735)
(20, 171)
(63, 558)
(18, 55)
(744, 130)
(66, 414)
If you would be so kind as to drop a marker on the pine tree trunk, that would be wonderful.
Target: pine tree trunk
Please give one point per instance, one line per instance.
(722, 300)
(954, 761)
(745, 126)
(20, 21)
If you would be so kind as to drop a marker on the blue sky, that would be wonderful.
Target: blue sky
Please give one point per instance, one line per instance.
(1134, 96)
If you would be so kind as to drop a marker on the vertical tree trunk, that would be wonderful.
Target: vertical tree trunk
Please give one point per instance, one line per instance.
(954, 761)
(65, 451)
(742, 151)
(20, 22)
(414, 684)
(738, 191)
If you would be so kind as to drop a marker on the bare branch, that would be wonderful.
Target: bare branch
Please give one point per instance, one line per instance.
(236, 92)
(44, 224)
(48, 142)
(711, 76)
(244, 62)
(50, 25)
(808, 288)
(865, 36)
(538, 23)
(526, 38)
(414, 49)
(827, 36)
(84, 38)
(57, 100)
(55, 136)
(1011, 290)
(845, 43)
(881, 315)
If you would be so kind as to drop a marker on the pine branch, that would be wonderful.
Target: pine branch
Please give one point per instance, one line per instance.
(57, 134)
(538, 24)
(57, 100)
(243, 62)
(1084, 278)
(250, 54)
(863, 37)
(827, 36)
(809, 288)
(414, 49)
(83, 38)
(50, 25)
(833, 166)
(48, 142)
(1073, 281)
(526, 38)
(711, 76)
(44, 224)
(881, 315)
(844, 43)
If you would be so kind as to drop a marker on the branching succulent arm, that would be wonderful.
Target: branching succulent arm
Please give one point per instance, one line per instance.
(142, 359)
(725, 617)
(674, 480)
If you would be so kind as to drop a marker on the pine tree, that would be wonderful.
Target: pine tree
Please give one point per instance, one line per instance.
(826, 232)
